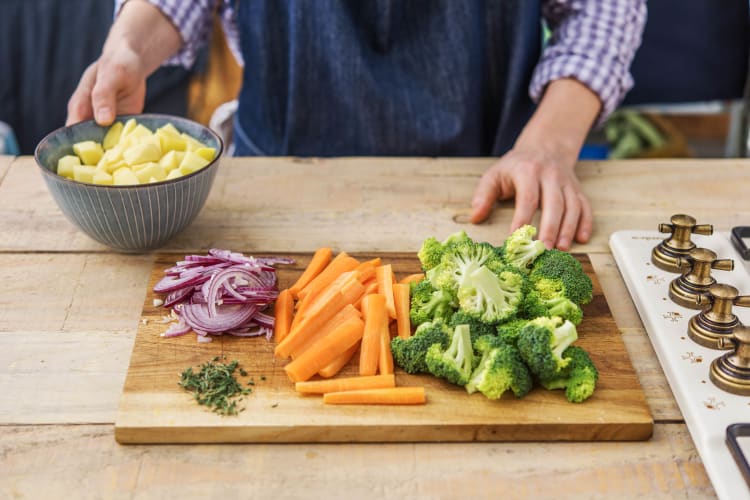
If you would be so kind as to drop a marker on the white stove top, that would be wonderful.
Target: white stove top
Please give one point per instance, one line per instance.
(707, 409)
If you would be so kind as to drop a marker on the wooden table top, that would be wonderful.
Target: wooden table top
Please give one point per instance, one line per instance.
(69, 310)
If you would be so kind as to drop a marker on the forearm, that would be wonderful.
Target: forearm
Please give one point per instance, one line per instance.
(143, 30)
(562, 119)
(594, 42)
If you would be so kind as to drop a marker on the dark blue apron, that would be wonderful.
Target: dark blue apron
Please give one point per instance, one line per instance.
(385, 77)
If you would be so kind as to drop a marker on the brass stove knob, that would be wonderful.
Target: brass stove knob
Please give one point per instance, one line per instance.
(731, 371)
(697, 280)
(665, 254)
(716, 321)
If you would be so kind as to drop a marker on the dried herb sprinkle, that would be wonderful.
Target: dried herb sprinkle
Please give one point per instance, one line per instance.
(215, 386)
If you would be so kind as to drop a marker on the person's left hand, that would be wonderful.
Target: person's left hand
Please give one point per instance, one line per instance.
(539, 178)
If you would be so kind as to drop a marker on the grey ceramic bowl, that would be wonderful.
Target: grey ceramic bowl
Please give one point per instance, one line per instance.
(128, 218)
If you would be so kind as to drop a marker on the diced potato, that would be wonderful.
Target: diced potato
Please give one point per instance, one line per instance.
(153, 139)
(141, 132)
(141, 153)
(84, 173)
(149, 170)
(192, 143)
(111, 167)
(171, 160)
(102, 178)
(112, 137)
(65, 165)
(89, 152)
(174, 174)
(171, 140)
(192, 162)
(207, 153)
(131, 153)
(111, 160)
(169, 129)
(124, 177)
(128, 128)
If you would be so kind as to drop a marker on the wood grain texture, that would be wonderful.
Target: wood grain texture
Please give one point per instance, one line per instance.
(62, 378)
(5, 162)
(85, 461)
(260, 204)
(154, 409)
(66, 365)
(74, 352)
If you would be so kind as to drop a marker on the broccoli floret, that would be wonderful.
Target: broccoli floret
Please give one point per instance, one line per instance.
(430, 253)
(535, 305)
(410, 353)
(556, 272)
(429, 303)
(491, 297)
(486, 343)
(500, 369)
(432, 250)
(520, 249)
(459, 261)
(508, 331)
(455, 363)
(580, 382)
(541, 344)
(476, 327)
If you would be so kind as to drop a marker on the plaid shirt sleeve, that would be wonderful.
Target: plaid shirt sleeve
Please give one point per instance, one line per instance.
(193, 19)
(593, 41)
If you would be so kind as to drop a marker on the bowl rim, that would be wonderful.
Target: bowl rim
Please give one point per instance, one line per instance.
(46, 138)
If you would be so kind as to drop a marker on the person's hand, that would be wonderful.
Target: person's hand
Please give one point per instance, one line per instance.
(140, 39)
(540, 169)
(538, 178)
(115, 84)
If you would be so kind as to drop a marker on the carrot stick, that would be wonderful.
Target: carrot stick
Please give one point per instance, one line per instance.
(384, 275)
(371, 263)
(296, 318)
(401, 303)
(352, 290)
(346, 384)
(342, 263)
(376, 318)
(319, 261)
(365, 273)
(371, 287)
(333, 287)
(282, 313)
(349, 311)
(325, 350)
(337, 364)
(314, 318)
(412, 277)
(385, 360)
(386, 396)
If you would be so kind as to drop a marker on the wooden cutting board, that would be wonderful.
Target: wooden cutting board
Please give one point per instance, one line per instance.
(154, 409)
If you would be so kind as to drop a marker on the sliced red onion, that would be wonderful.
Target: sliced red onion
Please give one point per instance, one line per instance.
(171, 283)
(177, 329)
(264, 319)
(223, 279)
(226, 318)
(176, 296)
(222, 292)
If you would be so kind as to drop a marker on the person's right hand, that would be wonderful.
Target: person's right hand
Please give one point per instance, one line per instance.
(113, 85)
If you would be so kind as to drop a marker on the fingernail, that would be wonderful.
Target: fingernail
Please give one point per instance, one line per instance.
(549, 244)
(104, 115)
(563, 244)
